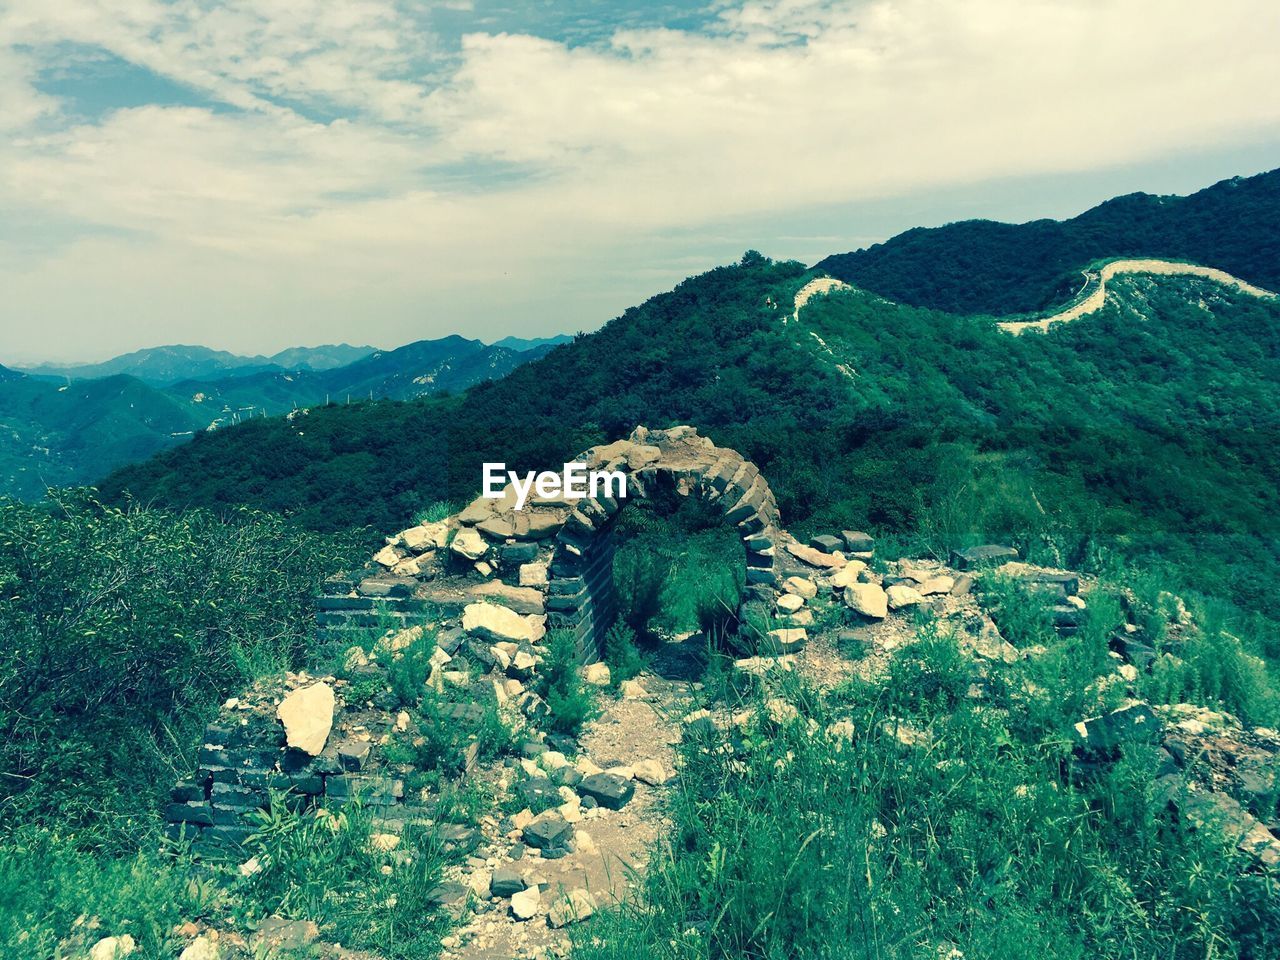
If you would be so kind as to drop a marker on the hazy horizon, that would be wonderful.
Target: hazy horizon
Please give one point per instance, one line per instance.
(252, 177)
(33, 364)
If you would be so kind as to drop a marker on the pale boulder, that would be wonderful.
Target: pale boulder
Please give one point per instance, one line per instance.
(426, 537)
(900, 595)
(650, 772)
(597, 674)
(573, 907)
(790, 602)
(868, 599)
(801, 587)
(816, 558)
(526, 904)
(784, 641)
(388, 557)
(847, 575)
(533, 574)
(307, 715)
(936, 585)
(110, 948)
(633, 690)
(496, 623)
(201, 948)
(469, 544)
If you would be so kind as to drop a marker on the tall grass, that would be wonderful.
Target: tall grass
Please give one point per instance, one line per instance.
(324, 866)
(944, 827)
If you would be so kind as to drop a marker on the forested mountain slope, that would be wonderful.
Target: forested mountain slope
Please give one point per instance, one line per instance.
(58, 433)
(54, 435)
(980, 266)
(1151, 421)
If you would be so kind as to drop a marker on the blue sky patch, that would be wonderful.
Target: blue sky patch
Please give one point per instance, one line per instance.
(92, 82)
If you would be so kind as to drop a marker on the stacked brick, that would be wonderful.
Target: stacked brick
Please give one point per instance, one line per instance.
(244, 759)
(558, 548)
(490, 581)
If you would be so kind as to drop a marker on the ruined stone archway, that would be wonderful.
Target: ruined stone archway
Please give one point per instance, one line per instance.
(580, 590)
(489, 581)
(551, 561)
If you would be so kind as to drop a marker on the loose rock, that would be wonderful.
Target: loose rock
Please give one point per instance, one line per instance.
(868, 599)
(574, 907)
(609, 790)
(110, 948)
(526, 904)
(307, 715)
(496, 623)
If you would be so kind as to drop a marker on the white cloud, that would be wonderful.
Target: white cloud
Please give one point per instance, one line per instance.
(276, 213)
(354, 54)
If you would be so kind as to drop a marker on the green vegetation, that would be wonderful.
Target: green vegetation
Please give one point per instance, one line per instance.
(978, 266)
(58, 434)
(120, 631)
(903, 818)
(569, 700)
(325, 866)
(621, 654)
(677, 568)
(52, 894)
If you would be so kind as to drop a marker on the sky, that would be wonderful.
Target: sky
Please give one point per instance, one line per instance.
(255, 174)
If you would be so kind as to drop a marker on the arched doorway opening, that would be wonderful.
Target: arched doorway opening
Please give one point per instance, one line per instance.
(581, 594)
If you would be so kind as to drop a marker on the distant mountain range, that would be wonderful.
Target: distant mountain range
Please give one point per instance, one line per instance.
(161, 366)
(62, 425)
(168, 365)
(521, 343)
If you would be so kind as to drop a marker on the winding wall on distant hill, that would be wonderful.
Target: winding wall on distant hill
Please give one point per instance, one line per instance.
(1097, 298)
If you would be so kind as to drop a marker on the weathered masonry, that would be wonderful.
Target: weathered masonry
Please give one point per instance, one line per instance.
(580, 590)
(489, 583)
(552, 560)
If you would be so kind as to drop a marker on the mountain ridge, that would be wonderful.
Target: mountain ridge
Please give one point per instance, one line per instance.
(167, 364)
(994, 268)
(55, 433)
(1148, 415)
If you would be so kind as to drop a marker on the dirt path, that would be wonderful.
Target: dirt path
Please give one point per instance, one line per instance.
(1096, 300)
(611, 848)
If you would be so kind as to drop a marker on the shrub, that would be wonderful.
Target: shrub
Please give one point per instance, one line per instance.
(57, 900)
(438, 743)
(1022, 615)
(434, 512)
(121, 631)
(620, 653)
(717, 606)
(640, 577)
(409, 667)
(931, 675)
(570, 702)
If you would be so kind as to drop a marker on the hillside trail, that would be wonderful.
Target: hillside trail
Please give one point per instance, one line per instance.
(611, 848)
(1096, 300)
